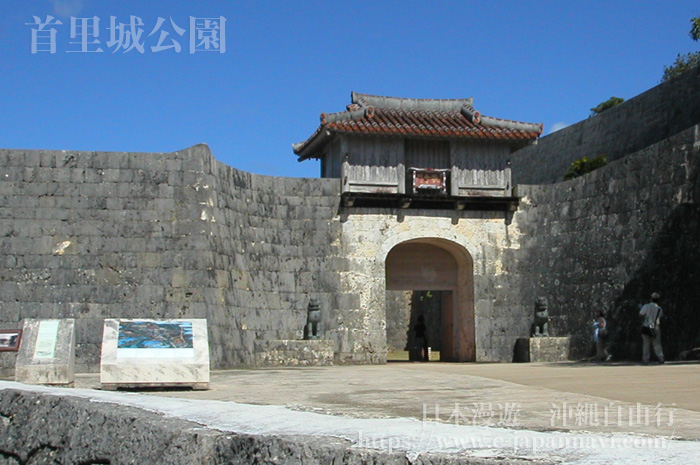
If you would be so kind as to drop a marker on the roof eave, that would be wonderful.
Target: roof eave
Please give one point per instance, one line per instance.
(312, 147)
(490, 121)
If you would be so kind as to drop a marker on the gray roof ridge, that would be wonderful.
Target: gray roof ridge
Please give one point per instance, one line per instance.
(400, 103)
(348, 115)
(491, 121)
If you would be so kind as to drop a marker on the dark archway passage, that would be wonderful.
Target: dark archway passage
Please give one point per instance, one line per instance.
(402, 311)
(440, 266)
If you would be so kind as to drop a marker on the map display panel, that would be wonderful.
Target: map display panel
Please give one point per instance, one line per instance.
(155, 339)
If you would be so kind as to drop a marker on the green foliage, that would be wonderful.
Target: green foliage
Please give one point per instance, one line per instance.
(682, 64)
(685, 62)
(585, 165)
(695, 28)
(608, 104)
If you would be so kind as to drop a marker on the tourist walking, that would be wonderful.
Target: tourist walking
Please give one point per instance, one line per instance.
(651, 315)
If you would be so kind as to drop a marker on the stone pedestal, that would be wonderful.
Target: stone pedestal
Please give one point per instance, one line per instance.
(542, 349)
(155, 353)
(47, 353)
(294, 352)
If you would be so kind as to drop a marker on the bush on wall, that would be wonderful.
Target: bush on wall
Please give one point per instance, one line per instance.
(585, 165)
(608, 104)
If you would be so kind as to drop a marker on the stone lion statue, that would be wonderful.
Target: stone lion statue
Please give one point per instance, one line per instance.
(539, 328)
(312, 330)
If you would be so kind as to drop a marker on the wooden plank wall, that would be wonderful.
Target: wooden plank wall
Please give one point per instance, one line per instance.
(373, 164)
(480, 168)
(378, 164)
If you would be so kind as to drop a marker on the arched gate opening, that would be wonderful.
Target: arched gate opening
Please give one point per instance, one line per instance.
(442, 268)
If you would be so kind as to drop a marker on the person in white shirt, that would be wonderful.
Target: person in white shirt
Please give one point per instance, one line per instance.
(651, 329)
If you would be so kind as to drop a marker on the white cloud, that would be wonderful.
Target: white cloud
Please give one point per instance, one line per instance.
(67, 8)
(557, 126)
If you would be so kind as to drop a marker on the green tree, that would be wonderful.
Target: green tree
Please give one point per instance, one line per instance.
(585, 165)
(695, 28)
(684, 62)
(608, 104)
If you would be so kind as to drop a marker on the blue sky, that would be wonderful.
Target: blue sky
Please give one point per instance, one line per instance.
(285, 62)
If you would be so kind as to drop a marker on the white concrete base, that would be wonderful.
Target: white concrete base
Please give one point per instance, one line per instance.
(47, 353)
(146, 361)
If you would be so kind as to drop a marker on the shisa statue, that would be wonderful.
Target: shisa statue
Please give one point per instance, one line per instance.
(539, 328)
(313, 321)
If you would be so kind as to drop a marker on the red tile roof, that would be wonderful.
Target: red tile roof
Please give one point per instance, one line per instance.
(450, 119)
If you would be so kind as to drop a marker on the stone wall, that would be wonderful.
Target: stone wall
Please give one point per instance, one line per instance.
(50, 428)
(275, 245)
(398, 317)
(92, 235)
(605, 241)
(34, 431)
(500, 315)
(639, 122)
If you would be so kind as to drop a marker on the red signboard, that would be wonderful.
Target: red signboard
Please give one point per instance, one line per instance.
(429, 180)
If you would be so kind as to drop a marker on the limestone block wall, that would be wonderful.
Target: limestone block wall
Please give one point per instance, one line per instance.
(639, 122)
(92, 235)
(606, 240)
(398, 315)
(276, 245)
(500, 316)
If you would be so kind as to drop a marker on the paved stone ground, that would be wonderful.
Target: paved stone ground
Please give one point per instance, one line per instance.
(577, 396)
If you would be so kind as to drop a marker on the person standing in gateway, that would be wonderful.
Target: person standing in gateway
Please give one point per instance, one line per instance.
(601, 338)
(420, 331)
(651, 329)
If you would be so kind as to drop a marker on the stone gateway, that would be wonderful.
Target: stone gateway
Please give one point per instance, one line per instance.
(415, 196)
